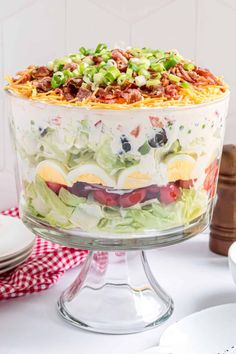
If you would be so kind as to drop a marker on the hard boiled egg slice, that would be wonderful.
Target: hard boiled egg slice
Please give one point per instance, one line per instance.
(52, 171)
(134, 177)
(92, 174)
(180, 166)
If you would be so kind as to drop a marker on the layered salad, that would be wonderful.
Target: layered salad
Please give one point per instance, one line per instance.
(118, 140)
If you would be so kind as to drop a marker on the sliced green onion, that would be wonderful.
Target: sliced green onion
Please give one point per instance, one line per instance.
(188, 66)
(90, 71)
(58, 79)
(106, 56)
(158, 67)
(100, 47)
(159, 53)
(122, 79)
(185, 84)
(152, 59)
(153, 82)
(112, 74)
(144, 73)
(170, 63)
(82, 67)
(144, 149)
(115, 72)
(133, 65)
(140, 80)
(67, 60)
(76, 58)
(101, 65)
(50, 65)
(98, 78)
(67, 74)
(136, 52)
(111, 62)
(58, 64)
(135, 60)
(87, 80)
(179, 57)
(88, 60)
(83, 51)
(109, 78)
(129, 72)
(145, 63)
(173, 78)
(76, 73)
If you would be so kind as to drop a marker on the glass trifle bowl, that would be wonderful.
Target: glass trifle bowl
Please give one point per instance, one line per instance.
(116, 182)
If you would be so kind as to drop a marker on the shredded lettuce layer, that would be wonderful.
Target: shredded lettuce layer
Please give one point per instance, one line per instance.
(69, 211)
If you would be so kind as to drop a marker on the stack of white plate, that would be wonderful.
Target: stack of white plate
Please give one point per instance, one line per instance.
(16, 243)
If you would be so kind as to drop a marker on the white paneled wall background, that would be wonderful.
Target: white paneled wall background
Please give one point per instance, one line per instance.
(35, 31)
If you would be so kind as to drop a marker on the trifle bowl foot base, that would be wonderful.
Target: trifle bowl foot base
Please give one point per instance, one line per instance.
(115, 293)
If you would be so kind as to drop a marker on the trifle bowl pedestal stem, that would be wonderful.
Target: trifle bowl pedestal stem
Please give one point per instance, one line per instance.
(116, 293)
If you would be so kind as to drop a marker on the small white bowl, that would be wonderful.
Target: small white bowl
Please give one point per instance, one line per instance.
(232, 260)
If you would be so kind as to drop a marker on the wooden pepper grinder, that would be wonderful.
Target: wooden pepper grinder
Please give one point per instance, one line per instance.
(223, 225)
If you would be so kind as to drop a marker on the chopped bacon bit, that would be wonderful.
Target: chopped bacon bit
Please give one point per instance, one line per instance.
(131, 95)
(171, 91)
(164, 80)
(110, 94)
(182, 73)
(156, 122)
(58, 91)
(83, 93)
(97, 60)
(119, 56)
(40, 72)
(128, 55)
(71, 88)
(135, 132)
(43, 85)
(22, 77)
(155, 91)
(70, 66)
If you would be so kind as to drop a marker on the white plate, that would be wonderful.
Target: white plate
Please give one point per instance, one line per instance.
(211, 331)
(13, 265)
(15, 238)
(16, 259)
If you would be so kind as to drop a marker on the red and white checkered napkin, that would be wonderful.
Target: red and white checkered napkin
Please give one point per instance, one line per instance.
(47, 263)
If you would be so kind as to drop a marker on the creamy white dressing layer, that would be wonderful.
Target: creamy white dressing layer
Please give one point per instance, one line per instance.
(199, 130)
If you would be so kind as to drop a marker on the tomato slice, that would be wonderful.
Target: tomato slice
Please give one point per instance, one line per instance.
(105, 198)
(129, 199)
(55, 187)
(169, 194)
(210, 183)
(135, 132)
(212, 166)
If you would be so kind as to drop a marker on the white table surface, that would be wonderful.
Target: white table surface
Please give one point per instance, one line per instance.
(195, 277)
